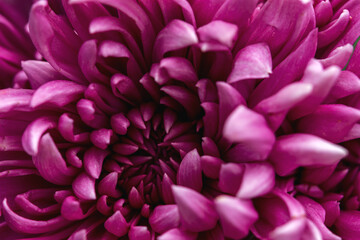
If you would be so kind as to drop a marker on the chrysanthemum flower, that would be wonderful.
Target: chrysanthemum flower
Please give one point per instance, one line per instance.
(175, 119)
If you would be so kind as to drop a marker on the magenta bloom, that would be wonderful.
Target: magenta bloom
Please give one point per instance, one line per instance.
(180, 120)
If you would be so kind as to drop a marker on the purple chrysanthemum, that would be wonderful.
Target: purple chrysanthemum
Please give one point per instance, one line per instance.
(180, 119)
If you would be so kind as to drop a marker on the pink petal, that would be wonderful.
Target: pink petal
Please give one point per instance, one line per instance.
(34, 132)
(251, 185)
(176, 35)
(50, 163)
(189, 173)
(58, 93)
(251, 62)
(164, 218)
(219, 31)
(139, 232)
(25, 225)
(250, 130)
(236, 216)
(230, 177)
(197, 213)
(93, 159)
(324, 122)
(84, 187)
(295, 150)
(117, 225)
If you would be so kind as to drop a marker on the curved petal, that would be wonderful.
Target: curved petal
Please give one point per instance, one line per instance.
(51, 164)
(26, 225)
(33, 133)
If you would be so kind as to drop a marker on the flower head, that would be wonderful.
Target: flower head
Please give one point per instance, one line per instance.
(183, 120)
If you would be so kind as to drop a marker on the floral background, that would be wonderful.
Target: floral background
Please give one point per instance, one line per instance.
(179, 119)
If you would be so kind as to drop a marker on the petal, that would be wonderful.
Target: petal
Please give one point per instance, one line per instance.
(189, 173)
(230, 177)
(139, 232)
(197, 213)
(347, 225)
(176, 35)
(295, 150)
(250, 130)
(51, 164)
(164, 218)
(25, 225)
(251, 62)
(210, 165)
(117, 225)
(219, 31)
(58, 93)
(236, 216)
(33, 133)
(229, 99)
(39, 72)
(251, 185)
(235, 11)
(84, 187)
(324, 122)
(93, 159)
(15, 99)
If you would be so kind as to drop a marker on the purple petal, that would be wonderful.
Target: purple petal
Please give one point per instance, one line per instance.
(176, 35)
(58, 93)
(33, 133)
(164, 218)
(236, 216)
(340, 56)
(251, 62)
(324, 122)
(93, 159)
(189, 173)
(15, 99)
(25, 225)
(229, 99)
(230, 177)
(197, 213)
(117, 225)
(277, 106)
(304, 150)
(251, 185)
(139, 232)
(219, 31)
(250, 130)
(39, 72)
(84, 187)
(235, 11)
(210, 165)
(51, 164)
